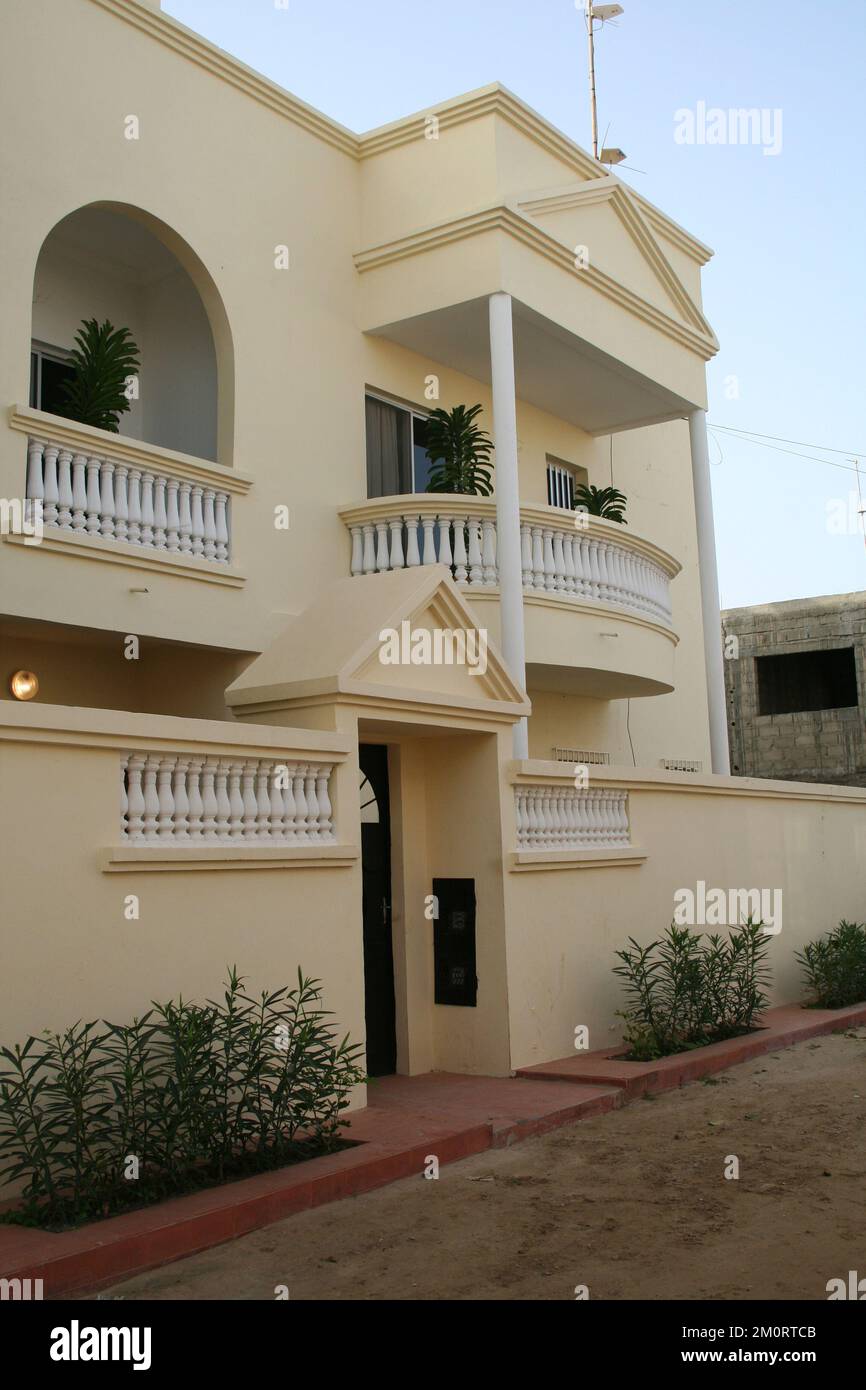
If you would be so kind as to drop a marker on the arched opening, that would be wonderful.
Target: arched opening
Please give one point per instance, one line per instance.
(116, 262)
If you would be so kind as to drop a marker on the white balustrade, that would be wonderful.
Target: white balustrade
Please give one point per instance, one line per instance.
(562, 818)
(171, 799)
(100, 497)
(557, 558)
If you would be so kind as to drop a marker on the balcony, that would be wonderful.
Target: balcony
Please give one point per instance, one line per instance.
(104, 496)
(597, 597)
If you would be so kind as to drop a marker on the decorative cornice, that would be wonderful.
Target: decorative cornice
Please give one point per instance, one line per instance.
(533, 771)
(505, 218)
(486, 101)
(223, 65)
(611, 191)
(494, 99)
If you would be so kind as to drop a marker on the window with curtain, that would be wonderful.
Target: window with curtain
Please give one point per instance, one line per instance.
(389, 452)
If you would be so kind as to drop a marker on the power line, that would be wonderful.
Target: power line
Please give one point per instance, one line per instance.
(733, 429)
(745, 438)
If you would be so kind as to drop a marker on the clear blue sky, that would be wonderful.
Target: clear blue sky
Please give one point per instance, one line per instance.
(786, 291)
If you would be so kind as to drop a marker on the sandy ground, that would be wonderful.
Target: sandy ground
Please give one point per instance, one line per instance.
(632, 1204)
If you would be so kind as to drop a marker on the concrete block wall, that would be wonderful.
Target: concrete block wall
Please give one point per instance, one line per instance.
(807, 746)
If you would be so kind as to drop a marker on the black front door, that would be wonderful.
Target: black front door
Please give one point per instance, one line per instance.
(378, 947)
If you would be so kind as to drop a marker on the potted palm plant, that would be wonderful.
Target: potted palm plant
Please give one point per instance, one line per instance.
(459, 452)
(606, 502)
(103, 359)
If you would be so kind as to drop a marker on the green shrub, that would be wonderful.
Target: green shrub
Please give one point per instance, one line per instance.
(104, 1117)
(687, 990)
(835, 967)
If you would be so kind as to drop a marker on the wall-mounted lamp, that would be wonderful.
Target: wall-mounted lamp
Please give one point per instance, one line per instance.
(24, 685)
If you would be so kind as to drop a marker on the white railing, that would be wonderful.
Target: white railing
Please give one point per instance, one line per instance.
(181, 799)
(568, 555)
(551, 817)
(95, 496)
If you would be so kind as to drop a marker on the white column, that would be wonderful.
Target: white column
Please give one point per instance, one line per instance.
(508, 501)
(710, 609)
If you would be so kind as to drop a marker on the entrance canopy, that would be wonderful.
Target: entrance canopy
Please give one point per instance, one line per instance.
(404, 641)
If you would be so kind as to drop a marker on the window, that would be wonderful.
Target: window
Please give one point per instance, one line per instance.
(49, 369)
(800, 681)
(396, 449)
(562, 479)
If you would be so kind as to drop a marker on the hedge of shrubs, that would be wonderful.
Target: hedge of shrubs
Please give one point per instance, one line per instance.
(105, 1116)
(834, 967)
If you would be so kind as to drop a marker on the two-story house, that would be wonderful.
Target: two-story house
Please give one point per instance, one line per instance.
(206, 757)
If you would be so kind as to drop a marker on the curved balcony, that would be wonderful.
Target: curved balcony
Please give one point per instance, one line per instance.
(598, 606)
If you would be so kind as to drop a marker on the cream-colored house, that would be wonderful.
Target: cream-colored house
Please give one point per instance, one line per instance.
(220, 765)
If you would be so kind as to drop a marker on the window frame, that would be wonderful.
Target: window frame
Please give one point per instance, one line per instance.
(43, 351)
(414, 413)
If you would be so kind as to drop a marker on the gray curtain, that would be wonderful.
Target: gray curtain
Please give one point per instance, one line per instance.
(389, 463)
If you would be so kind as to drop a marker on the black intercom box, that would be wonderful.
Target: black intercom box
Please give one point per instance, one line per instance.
(454, 942)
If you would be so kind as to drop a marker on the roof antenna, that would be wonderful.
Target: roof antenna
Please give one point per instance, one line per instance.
(603, 13)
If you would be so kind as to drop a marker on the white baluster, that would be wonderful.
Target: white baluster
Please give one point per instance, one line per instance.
(93, 500)
(326, 828)
(135, 797)
(488, 550)
(300, 802)
(236, 802)
(160, 517)
(369, 549)
(549, 568)
(147, 482)
(151, 798)
(357, 562)
(580, 550)
(121, 502)
(312, 802)
(34, 488)
(568, 548)
(537, 558)
(428, 556)
(181, 799)
(222, 517)
(558, 562)
(263, 801)
(382, 546)
(520, 816)
(165, 795)
(106, 499)
(251, 805)
(197, 521)
(184, 518)
(79, 492)
(460, 570)
(209, 801)
(413, 557)
(476, 567)
(49, 483)
(276, 826)
(196, 805)
(290, 810)
(134, 505)
(210, 536)
(526, 553)
(445, 556)
(221, 792)
(396, 557)
(172, 516)
(124, 799)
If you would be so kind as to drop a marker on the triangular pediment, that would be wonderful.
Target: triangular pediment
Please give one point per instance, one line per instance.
(406, 636)
(602, 216)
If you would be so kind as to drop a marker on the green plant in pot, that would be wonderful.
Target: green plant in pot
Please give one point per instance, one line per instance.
(103, 359)
(459, 452)
(606, 502)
